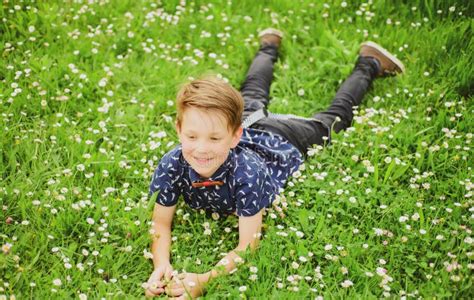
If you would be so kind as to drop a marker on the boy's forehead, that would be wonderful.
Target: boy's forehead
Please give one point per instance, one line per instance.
(196, 118)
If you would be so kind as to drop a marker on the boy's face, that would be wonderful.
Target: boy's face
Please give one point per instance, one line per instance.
(206, 139)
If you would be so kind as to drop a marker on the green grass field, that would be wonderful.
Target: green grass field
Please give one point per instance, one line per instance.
(86, 103)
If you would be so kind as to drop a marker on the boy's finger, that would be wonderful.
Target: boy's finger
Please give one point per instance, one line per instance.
(168, 274)
(175, 285)
(175, 291)
(154, 291)
(148, 293)
(155, 284)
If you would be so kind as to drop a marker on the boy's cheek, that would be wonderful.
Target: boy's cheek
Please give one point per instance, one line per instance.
(186, 146)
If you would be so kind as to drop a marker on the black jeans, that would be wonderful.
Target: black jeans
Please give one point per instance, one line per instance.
(304, 133)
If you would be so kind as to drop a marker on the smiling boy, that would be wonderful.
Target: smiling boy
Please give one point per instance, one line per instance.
(228, 166)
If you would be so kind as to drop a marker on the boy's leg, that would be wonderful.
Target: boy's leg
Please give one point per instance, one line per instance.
(305, 133)
(373, 61)
(256, 87)
(339, 114)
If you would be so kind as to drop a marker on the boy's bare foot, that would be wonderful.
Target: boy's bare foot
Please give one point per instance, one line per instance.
(270, 36)
(389, 64)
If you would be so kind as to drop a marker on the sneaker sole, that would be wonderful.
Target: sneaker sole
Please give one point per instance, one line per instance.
(273, 31)
(387, 54)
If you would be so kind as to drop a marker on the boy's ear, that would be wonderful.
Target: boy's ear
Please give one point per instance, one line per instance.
(237, 136)
(178, 128)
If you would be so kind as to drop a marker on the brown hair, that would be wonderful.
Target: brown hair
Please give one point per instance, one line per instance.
(211, 93)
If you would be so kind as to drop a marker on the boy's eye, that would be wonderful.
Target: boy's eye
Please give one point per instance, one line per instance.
(191, 137)
(215, 138)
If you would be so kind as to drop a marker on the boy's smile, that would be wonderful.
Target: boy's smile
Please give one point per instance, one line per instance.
(206, 139)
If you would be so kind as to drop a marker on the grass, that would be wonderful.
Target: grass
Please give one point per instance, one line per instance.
(86, 115)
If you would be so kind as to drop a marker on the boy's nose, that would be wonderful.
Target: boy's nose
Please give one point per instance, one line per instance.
(202, 147)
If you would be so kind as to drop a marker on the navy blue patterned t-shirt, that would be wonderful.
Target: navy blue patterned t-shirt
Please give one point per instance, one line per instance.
(253, 173)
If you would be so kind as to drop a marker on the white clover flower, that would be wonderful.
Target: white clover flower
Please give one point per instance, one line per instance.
(381, 271)
(238, 260)
(455, 278)
(147, 255)
(242, 288)
(57, 282)
(415, 217)
(6, 248)
(378, 231)
(403, 219)
(295, 265)
(347, 283)
(328, 247)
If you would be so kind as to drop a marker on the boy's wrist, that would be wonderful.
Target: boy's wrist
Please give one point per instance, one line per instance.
(162, 263)
(206, 277)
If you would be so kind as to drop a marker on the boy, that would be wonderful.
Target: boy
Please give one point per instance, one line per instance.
(233, 167)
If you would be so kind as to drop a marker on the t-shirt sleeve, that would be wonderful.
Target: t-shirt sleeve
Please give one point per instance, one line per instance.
(164, 181)
(253, 192)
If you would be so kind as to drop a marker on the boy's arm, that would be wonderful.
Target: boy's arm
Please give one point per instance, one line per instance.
(162, 220)
(249, 234)
(160, 248)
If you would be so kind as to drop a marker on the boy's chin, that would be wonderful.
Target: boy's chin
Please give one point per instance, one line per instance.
(204, 172)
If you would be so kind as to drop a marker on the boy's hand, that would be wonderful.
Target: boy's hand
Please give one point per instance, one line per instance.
(186, 285)
(158, 279)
